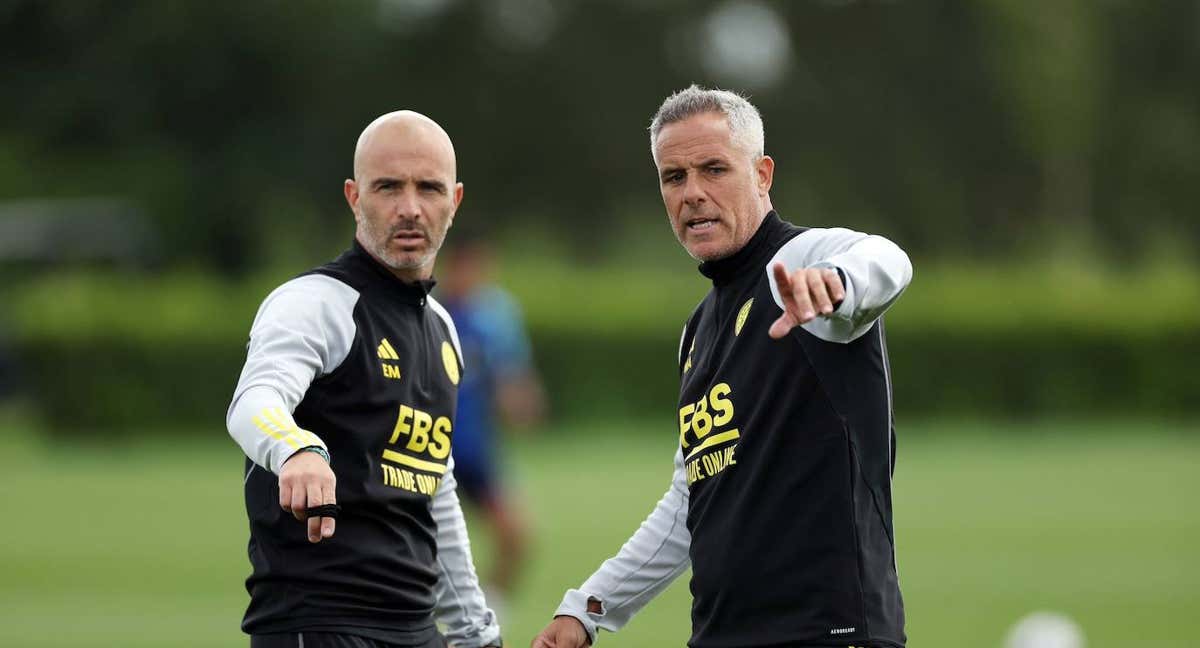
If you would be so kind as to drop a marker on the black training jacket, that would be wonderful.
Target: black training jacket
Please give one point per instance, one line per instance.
(781, 500)
(352, 359)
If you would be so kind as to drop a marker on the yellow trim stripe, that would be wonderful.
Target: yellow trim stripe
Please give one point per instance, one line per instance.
(413, 462)
(304, 435)
(301, 435)
(272, 433)
(283, 423)
(714, 440)
(280, 420)
(283, 427)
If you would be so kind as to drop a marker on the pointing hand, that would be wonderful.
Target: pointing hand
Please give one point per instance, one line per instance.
(806, 293)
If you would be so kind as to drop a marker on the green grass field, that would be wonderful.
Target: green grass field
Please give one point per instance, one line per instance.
(144, 544)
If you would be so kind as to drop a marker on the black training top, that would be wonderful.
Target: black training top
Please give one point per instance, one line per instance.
(788, 447)
(385, 413)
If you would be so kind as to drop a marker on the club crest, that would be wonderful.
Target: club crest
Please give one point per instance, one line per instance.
(450, 359)
(742, 315)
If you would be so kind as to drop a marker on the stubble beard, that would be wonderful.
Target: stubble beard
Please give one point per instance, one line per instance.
(715, 250)
(729, 246)
(380, 240)
(716, 255)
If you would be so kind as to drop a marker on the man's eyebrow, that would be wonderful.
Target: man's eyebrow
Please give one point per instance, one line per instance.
(713, 161)
(666, 171)
(432, 182)
(379, 182)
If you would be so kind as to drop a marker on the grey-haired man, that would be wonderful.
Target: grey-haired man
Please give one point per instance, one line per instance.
(781, 495)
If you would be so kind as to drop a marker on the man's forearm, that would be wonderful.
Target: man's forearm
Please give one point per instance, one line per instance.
(261, 424)
(648, 562)
(460, 602)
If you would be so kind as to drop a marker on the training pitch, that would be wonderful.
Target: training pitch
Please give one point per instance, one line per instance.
(143, 544)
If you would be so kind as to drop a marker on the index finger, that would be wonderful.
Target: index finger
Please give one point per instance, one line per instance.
(327, 523)
(315, 498)
(314, 528)
(784, 282)
(797, 301)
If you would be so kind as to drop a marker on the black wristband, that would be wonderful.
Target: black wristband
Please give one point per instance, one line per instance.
(324, 510)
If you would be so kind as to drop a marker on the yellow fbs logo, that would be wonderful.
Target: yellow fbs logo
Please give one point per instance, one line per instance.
(450, 359)
(742, 315)
(387, 352)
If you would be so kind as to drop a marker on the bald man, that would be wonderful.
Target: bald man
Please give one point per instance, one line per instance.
(345, 410)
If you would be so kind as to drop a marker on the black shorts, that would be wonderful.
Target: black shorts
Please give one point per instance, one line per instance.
(332, 640)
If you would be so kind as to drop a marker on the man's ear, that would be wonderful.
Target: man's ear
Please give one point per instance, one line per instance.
(765, 170)
(350, 189)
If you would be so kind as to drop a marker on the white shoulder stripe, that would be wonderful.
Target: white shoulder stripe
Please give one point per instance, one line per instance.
(682, 337)
(441, 311)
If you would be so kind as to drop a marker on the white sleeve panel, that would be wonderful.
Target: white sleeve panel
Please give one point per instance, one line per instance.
(876, 272)
(460, 603)
(649, 561)
(445, 315)
(260, 422)
(303, 330)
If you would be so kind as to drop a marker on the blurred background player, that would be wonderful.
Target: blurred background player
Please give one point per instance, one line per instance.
(500, 387)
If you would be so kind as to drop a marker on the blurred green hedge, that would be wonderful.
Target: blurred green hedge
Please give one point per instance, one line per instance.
(126, 353)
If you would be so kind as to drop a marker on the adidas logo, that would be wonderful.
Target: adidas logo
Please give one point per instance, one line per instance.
(387, 352)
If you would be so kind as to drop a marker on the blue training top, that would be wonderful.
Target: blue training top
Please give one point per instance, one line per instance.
(492, 333)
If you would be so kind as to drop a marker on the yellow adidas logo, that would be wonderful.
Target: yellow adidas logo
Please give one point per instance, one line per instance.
(387, 352)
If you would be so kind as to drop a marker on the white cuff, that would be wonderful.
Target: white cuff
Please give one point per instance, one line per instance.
(575, 604)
